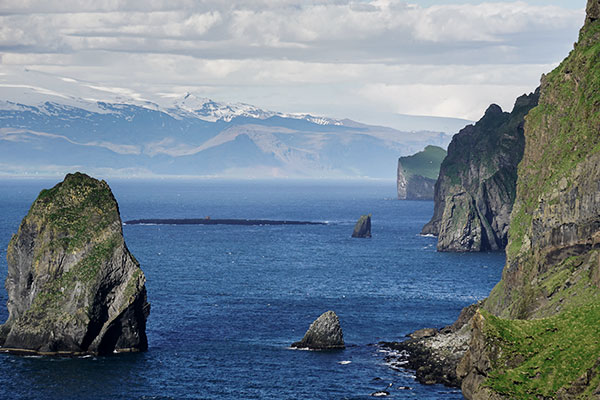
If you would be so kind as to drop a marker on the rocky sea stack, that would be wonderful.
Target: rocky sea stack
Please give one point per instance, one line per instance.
(323, 334)
(362, 229)
(73, 286)
(476, 188)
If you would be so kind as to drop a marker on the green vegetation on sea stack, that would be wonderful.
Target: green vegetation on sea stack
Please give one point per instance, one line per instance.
(77, 208)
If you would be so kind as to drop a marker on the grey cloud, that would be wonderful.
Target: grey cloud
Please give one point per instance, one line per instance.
(343, 57)
(340, 31)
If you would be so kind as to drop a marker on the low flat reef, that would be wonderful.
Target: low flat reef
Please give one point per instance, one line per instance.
(210, 221)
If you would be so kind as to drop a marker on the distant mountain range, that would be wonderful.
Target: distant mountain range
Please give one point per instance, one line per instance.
(51, 125)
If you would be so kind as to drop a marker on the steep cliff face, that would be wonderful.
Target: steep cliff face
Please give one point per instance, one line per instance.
(537, 336)
(73, 286)
(417, 174)
(475, 190)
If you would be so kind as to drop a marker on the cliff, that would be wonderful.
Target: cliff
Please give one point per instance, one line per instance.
(73, 287)
(417, 174)
(475, 190)
(537, 334)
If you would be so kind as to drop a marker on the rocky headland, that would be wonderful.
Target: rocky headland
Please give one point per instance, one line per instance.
(417, 174)
(476, 187)
(73, 286)
(325, 333)
(536, 335)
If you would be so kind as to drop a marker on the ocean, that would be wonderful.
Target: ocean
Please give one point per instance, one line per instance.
(227, 301)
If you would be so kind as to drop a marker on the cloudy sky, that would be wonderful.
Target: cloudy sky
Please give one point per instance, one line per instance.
(340, 58)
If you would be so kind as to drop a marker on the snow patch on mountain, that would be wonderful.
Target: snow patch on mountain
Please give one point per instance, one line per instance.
(21, 88)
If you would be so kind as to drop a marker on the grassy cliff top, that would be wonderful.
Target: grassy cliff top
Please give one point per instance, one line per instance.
(565, 127)
(424, 163)
(76, 210)
(541, 357)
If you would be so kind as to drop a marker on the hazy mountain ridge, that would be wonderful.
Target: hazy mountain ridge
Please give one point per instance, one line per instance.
(50, 130)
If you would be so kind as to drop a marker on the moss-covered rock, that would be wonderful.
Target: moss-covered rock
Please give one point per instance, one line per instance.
(475, 190)
(73, 286)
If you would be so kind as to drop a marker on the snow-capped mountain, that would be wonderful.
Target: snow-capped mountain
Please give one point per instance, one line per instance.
(50, 125)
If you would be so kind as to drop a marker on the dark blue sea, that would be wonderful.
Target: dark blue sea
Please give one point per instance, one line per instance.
(227, 301)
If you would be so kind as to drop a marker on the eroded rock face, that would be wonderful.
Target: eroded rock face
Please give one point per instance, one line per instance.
(323, 334)
(73, 286)
(476, 187)
(362, 229)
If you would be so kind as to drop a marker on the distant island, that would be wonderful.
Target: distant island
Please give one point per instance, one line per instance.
(417, 174)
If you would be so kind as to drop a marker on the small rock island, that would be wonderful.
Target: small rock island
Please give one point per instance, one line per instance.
(73, 286)
(362, 229)
(323, 334)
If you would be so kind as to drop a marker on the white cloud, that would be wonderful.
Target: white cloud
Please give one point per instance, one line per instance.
(297, 56)
(462, 101)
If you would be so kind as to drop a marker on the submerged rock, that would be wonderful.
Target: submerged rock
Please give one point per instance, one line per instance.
(323, 334)
(362, 229)
(73, 287)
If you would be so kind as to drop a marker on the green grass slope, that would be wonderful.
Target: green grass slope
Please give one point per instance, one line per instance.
(424, 163)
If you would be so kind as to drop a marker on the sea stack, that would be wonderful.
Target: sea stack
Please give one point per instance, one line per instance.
(73, 286)
(362, 229)
(323, 334)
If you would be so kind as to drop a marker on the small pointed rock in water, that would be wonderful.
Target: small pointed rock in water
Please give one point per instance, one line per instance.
(362, 229)
(323, 334)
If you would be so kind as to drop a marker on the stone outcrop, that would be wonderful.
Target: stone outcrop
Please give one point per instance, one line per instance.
(73, 286)
(434, 354)
(536, 336)
(362, 229)
(475, 190)
(323, 334)
(417, 174)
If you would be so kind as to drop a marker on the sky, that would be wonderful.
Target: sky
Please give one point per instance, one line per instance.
(344, 59)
